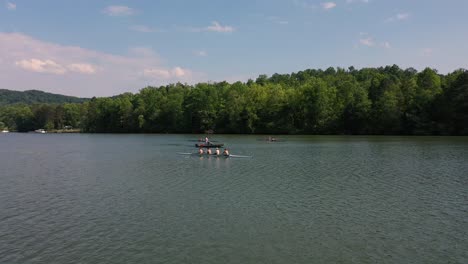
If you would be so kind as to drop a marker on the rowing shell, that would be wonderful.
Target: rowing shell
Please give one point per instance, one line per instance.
(214, 155)
(209, 145)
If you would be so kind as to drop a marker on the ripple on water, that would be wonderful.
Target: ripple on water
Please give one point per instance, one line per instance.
(129, 199)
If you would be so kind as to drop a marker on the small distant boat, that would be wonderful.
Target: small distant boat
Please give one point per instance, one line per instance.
(208, 145)
(40, 131)
(5, 131)
(270, 139)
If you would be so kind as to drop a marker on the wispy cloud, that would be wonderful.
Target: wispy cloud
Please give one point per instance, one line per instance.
(328, 5)
(277, 20)
(214, 27)
(386, 45)
(50, 66)
(398, 17)
(44, 66)
(144, 29)
(272, 19)
(10, 6)
(176, 72)
(217, 27)
(28, 63)
(200, 53)
(304, 4)
(427, 52)
(117, 10)
(367, 41)
(82, 68)
(357, 1)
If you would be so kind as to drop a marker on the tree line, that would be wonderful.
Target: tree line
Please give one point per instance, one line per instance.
(385, 100)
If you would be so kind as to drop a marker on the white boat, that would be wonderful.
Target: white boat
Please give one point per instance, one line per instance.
(40, 131)
(5, 131)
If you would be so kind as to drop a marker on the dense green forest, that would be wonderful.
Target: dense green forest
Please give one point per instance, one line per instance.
(385, 100)
(34, 96)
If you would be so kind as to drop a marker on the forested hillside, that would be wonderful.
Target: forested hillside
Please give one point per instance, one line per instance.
(386, 100)
(34, 96)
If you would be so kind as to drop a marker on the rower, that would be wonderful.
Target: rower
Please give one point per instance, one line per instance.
(208, 151)
(200, 151)
(207, 140)
(226, 152)
(217, 151)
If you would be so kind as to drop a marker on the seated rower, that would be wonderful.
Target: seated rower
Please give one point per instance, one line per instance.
(208, 151)
(200, 151)
(226, 152)
(217, 151)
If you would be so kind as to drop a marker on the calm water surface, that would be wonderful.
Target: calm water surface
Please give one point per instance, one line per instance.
(307, 199)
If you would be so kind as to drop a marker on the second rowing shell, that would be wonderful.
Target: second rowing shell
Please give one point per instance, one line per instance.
(204, 145)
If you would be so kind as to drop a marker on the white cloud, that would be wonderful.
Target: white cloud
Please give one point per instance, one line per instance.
(50, 66)
(386, 45)
(176, 72)
(117, 10)
(10, 6)
(427, 52)
(357, 1)
(157, 73)
(304, 4)
(328, 5)
(201, 53)
(277, 20)
(367, 42)
(29, 63)
(143, 29)
(82, 68)
(398, 17)
(179, 72)
(402, 16)
(143, 52)
(216, 27)
(44, 66)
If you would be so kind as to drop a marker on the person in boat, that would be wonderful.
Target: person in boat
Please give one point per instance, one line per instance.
(217, 151)
(200, 151)
(208, 151)
(207, 141)
(226, 152)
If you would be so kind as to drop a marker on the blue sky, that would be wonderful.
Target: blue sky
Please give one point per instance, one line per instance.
(101, 48)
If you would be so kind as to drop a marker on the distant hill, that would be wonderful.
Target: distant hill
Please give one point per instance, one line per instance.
(8, 97)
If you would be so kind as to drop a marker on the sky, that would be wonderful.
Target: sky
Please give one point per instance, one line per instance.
(107, 47)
